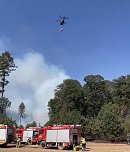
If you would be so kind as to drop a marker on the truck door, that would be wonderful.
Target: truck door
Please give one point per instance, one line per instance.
(75, 139)
(27, 134)
(3, 136)
(75, 136)
(10, 135)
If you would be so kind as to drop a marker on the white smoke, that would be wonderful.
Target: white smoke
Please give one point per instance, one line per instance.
(33, 83)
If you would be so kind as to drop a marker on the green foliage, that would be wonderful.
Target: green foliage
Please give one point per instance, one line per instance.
(100, 106)
(5, 120)
(6, 67)
(4, 104)
(21, 111)
(96, 94)
(122, 94)
(109, 123)
(126, 125)
(33, 124)
(68, 102)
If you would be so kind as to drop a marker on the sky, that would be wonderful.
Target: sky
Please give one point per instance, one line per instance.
(95, 40)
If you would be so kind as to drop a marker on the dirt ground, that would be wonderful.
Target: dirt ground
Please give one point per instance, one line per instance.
(91, 147)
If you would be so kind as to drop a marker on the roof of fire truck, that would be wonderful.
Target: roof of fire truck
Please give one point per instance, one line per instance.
(3, 126)
(34, 128)
(55, 127)
(63, 127)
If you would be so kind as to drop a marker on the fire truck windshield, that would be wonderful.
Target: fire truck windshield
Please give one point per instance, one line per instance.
(35, 134)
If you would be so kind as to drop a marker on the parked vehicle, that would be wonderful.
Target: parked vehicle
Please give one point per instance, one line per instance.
(28, 135)
(63, 136)
(60, 136)
(7, 134)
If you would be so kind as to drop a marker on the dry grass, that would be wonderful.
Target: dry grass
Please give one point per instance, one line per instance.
(91, 147)
(107, 147)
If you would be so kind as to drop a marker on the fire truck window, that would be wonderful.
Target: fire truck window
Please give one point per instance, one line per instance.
(40, 131)
(19, 131)
(35, 134)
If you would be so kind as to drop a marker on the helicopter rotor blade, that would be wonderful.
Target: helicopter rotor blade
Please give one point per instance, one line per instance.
(60, 16)
(66, 18)
(58, 20)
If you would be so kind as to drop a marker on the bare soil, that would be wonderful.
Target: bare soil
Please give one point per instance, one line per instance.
(91, 147)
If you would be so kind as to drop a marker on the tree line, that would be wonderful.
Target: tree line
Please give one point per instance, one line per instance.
(101, 107)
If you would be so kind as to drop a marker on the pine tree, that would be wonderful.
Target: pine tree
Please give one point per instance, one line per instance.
(21, 111)
(6, 67)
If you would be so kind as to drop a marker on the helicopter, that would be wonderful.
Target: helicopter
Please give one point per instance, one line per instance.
(62, 20)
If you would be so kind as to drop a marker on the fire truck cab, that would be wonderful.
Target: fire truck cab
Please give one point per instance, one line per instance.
(7, 134)
(19, 132)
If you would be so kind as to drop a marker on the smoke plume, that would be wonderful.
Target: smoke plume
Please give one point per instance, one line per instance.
(33, 83)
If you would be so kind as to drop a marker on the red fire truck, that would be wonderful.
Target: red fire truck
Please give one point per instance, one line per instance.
(7, 134)
(28, 135)
(62, 136)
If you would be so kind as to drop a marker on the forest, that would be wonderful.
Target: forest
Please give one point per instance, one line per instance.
(101, 107)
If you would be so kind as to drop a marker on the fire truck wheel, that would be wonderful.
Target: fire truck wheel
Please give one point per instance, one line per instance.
(43, 144)
(29, 142)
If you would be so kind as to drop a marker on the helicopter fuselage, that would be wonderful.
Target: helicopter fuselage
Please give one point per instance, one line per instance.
(62, 22)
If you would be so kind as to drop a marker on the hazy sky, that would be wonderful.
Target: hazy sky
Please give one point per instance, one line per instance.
(95, 40)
